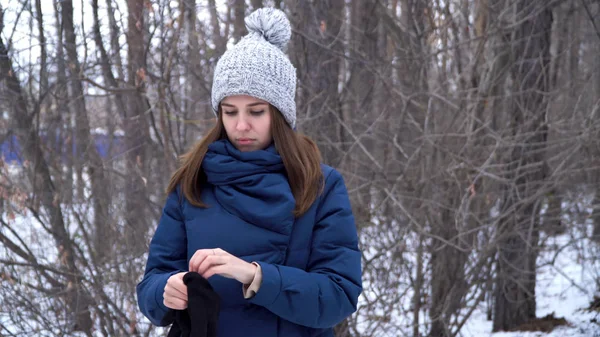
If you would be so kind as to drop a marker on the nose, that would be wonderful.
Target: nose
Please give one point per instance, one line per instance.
(242, 124)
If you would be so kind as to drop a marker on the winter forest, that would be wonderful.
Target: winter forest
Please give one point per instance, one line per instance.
(467, 131)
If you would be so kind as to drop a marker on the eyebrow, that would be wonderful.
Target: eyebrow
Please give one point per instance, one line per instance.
(250, 105)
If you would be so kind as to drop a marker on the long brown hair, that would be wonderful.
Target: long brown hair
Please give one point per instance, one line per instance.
(300, 155)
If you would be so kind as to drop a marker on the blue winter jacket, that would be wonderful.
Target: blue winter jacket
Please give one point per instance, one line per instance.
(311, 265)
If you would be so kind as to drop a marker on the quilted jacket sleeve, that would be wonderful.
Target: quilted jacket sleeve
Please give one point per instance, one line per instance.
(166, 257)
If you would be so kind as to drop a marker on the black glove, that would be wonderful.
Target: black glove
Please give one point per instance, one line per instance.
(202, 314)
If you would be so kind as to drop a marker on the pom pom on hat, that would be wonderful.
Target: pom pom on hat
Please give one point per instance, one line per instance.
(272, 24)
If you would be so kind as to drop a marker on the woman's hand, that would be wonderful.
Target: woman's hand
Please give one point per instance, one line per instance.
(175, 294)
(209, 262)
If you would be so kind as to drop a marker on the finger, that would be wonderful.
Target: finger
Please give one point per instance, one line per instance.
(175, 303)
(198, 258)
(193, 261)
(176, 292)
(176, 284)
(214, 270)
(201, 254)
(210, 261)
(179, 285)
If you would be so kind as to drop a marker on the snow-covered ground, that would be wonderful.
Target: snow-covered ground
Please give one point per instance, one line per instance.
(566, 284)
(564, 289)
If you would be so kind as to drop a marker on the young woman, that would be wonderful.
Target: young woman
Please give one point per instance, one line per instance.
(253, 210)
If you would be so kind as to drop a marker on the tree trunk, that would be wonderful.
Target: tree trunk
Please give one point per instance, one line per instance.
(574, 21)
(64, 143)
(86, 152)
(105, 60)
(418, 289)
(137, 136)
(239, 26)
(596, 216)
(552, 224)
(518, 227)
(114, 41)
(194, 78)
(342, 329)
(319, 69)
(448, 285)
(596, 178)
(76, 298)
(256, 4)
(43, 89)
(106, 233)
(219, 40)
(359, 114)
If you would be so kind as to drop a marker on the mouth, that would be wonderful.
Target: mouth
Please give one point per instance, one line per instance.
(245, 141)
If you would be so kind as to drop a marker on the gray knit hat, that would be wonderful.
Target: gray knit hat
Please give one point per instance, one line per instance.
(258, 66)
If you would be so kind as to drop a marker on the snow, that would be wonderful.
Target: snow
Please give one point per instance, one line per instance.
(566, 284)
(104, 132)
(566, 281)
(555, 293)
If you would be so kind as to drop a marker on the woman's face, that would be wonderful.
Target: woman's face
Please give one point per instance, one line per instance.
(247, 122)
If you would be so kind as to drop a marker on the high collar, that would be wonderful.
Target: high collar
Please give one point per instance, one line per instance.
(251, 185)
(225, 164)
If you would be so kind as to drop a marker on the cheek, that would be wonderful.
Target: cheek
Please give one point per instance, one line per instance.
(267, 125)
(267, 131)
(229, 130)
(227, 124)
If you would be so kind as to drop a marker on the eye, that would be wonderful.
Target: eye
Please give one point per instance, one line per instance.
(230, 113)
(257, 113)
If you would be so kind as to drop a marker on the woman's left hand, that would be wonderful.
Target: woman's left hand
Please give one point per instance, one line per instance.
(209, 262)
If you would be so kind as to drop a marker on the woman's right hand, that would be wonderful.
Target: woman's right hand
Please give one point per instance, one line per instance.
(175, 295)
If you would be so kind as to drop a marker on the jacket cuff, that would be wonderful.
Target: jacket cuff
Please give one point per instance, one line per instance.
(270, 287)
(167, 317)
(251, 289)
(159, 291)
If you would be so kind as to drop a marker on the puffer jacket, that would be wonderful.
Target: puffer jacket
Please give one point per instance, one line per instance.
(311, 265)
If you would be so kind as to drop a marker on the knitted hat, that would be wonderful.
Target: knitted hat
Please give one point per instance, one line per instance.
(258, 66)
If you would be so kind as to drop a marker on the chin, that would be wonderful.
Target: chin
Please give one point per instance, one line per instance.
(247, 148)
(250, 147)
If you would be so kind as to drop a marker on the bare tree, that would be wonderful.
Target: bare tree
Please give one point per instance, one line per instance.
(217, 38)
(239, 27)
(463, 129)
(518, 228)
(256, 4)
(66, 280)
(136, 127)
(319, 68)
(595, 111)
(85, 149)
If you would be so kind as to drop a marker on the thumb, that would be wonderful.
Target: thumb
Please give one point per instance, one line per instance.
(180, 285)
